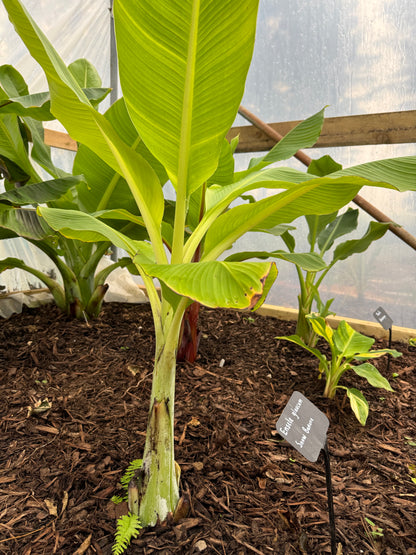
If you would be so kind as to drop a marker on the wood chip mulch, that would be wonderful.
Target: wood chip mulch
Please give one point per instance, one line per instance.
(250, 492)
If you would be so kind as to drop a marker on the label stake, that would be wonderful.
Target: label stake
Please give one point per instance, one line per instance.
(304, 426)
(330, 500)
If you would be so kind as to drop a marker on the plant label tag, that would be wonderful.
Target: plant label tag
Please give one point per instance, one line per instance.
(383, 318)
(304, 426)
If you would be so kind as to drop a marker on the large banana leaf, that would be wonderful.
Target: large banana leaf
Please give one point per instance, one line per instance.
(70, 105)
(18, 102)
(12, 83)
(37, 105)
(78, 225)
(184, 110)
(12, 146)
(215, 284)
(399, 172)
(318, 196)
(309, 261)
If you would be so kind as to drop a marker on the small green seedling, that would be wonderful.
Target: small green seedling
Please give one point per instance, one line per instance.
(346, 345)
(375, 530)
(412, 341)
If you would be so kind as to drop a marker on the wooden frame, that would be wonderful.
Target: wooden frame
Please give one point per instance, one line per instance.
(366, 129)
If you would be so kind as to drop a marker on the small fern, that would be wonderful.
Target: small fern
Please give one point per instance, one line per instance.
(128, 527)
(125, 480)
(130, 471)
(117, 499)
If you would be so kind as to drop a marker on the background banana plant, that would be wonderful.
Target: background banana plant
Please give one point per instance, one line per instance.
(79, 290)
(183, 65)
(323, 232)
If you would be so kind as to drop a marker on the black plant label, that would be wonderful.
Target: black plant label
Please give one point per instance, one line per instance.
(304, 426)
(383, 318)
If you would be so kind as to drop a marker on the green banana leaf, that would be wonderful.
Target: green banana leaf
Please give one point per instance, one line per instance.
(25, 222)
(324, 166)
(84, 227)
(399, 172)
(310, 262)
(341, 225)
(317, 196)
(12, 146)
(321, 328)
(106, 188)
(350, 342)
(375, 231)
(37, 105)
(184, 110)
(358, 404)
(372, 375)
(304, 135)
(18, 100)
(216, 283)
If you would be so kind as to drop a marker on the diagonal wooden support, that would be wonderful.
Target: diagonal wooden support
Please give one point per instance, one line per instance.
(374, 212)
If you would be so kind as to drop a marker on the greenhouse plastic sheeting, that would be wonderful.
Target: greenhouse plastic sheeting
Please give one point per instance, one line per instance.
(357, 56)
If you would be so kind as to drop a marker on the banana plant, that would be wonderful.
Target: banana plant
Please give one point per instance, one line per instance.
(346, 346)
(183, 66)
(80, 290)
(323, 233)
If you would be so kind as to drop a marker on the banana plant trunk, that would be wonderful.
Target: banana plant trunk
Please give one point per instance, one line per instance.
(303, 328)
(159, 480)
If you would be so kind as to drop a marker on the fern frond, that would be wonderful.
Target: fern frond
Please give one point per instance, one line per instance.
(117, 499)
(128, 527)
(129, 474)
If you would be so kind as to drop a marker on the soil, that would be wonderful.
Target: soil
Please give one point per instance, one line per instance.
(250, 492)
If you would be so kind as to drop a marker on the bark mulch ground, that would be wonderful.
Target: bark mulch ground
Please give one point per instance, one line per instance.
(250, 492)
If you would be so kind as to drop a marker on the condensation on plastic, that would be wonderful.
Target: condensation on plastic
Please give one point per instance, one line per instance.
(357, 56)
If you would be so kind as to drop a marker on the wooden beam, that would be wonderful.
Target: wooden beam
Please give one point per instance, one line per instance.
(366, 129)
(59, 140)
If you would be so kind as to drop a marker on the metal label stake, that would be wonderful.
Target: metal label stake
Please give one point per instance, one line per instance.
(330, 500)
(304, 426)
